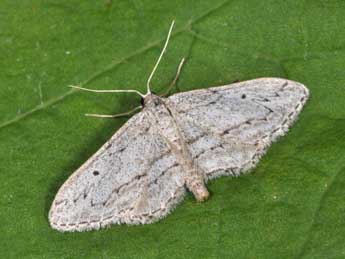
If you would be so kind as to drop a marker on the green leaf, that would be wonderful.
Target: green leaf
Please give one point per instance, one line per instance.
(290, 206)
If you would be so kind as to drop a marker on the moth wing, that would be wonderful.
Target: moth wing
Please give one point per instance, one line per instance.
(228, 128)
(132, 179)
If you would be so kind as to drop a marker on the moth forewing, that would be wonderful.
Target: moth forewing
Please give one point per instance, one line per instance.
(174, 144)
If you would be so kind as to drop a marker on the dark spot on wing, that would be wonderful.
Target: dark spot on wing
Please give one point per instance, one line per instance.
(95, 173)
(226, 131)
(243, 96)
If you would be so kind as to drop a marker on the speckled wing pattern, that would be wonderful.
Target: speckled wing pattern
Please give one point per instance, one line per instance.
(132, 179)
(136, 178)
(228, 128)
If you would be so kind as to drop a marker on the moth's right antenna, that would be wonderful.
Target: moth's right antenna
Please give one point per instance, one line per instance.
(159, 58)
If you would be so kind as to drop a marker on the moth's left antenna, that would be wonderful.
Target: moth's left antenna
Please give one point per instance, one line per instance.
(159, 58)
(107, 91)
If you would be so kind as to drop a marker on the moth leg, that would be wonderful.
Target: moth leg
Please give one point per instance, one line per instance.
(173, 83)
(123, 114)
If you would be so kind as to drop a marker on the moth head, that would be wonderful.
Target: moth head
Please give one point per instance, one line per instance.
(151, 100)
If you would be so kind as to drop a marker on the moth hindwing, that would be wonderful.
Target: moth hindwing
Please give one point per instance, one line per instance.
(175, 144)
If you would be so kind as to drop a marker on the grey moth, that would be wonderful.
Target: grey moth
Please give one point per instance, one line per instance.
(174, 145)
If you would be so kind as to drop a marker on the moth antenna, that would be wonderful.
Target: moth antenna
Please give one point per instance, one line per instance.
(159, 58)
(173, 83)
(107, 91)
(123, 114)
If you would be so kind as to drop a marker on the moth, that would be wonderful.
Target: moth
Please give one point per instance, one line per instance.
(174, 145)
